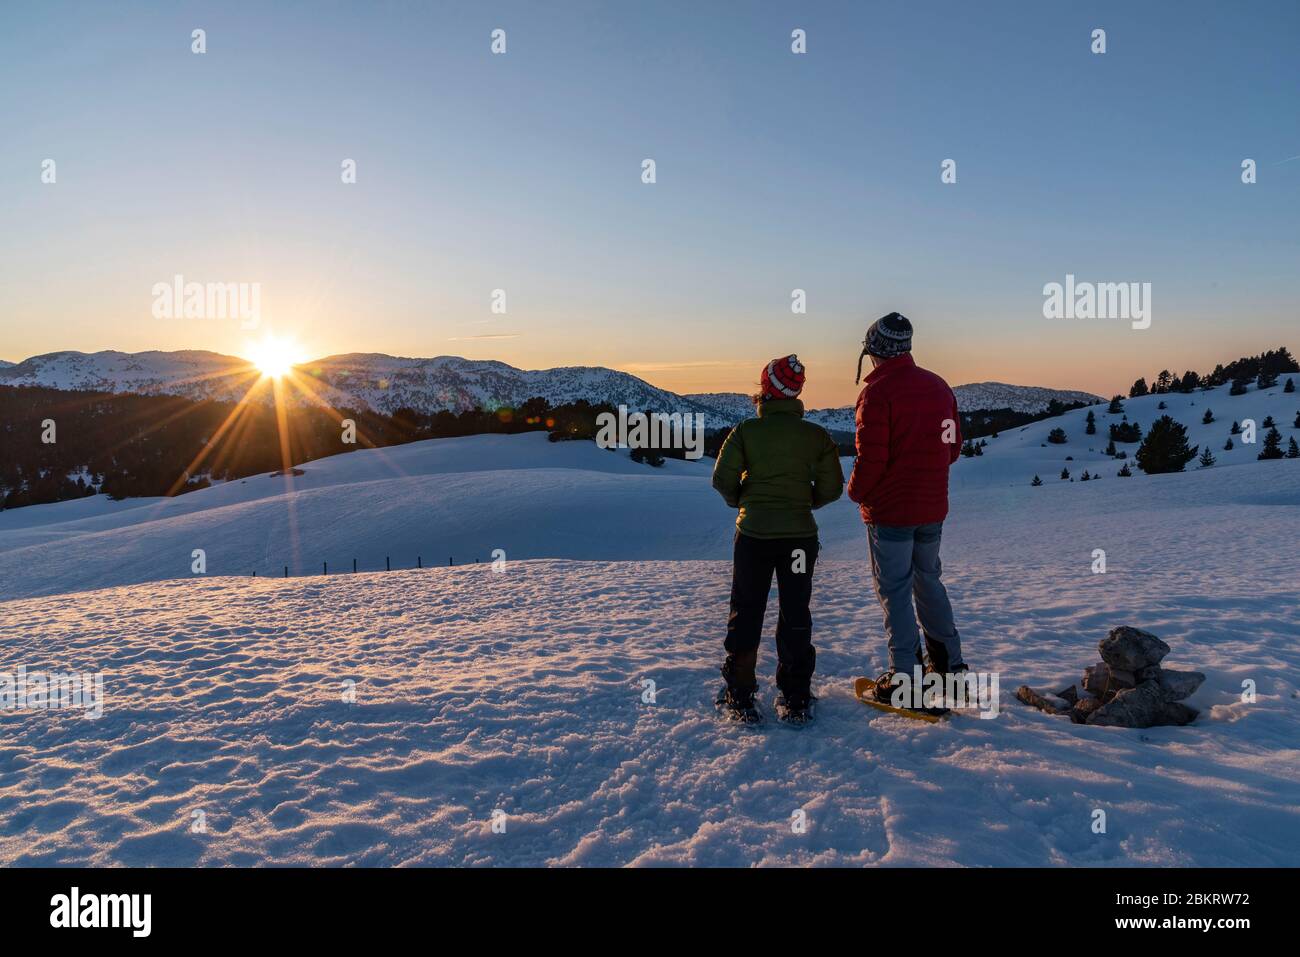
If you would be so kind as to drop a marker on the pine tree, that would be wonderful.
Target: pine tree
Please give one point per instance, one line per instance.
(1268, 422)
(1290, 386)
(1057, 436)
(1162, 405)
(1036, 482)
(1139, 388)
(1165, 448)
(1206, 459)
(1085, 477)
(1272, 445)
(1292, 450)
(1236, 428)
(1208, 417)
(1296, 423)
(1092, 423)
(1110, 449)
(1267, 380)
(1238, 387)
(1227, 446)
(1125, 472)
(1065, 473)
(1116, 405)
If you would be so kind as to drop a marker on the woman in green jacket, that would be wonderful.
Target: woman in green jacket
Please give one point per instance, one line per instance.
(775, 469)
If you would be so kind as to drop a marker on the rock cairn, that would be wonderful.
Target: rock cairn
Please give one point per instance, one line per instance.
(1126, 689)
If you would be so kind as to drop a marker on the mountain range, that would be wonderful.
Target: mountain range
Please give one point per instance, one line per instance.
(386, 383)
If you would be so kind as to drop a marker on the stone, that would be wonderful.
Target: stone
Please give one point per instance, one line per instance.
(1070, 694)
(1131, 649)
(1082, 708)
(1149, 673)
(1043, 702)
(1177, 685)
(1140, 707)
(1175, 712)
(1104, 681)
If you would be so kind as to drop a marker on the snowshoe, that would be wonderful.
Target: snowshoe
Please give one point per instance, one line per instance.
(879, 694)
(738, 706)
(795, 711)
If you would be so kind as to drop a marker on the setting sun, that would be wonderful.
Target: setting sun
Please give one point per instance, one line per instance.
(275, 357)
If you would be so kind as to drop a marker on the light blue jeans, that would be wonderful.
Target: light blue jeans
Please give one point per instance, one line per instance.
(905, 566)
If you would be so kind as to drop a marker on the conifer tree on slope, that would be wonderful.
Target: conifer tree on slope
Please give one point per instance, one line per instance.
(1272, 445)
(1165, 448)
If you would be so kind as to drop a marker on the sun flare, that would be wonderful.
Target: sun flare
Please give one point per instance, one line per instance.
(275, 357)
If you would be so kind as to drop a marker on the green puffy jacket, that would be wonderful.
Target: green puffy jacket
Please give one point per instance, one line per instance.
(776, 469)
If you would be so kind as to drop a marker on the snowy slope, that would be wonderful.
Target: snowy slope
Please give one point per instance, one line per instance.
(433, 500)
(1016, 456)
(463, 498)
(521, 692)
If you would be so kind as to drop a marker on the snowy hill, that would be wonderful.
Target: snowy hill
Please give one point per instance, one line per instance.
(521, 692)
(1018, 398)
(536, 499)
(1016, 456)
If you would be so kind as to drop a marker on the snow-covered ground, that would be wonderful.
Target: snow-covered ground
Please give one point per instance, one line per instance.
(521, 691)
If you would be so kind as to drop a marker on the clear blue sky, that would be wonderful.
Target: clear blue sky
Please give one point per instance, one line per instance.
(775, 171)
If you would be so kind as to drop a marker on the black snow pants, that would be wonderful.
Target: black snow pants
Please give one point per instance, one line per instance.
(754, 561)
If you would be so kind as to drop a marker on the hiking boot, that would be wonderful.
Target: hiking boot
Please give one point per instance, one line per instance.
(794, 709)
(738, 704)
(883, 692)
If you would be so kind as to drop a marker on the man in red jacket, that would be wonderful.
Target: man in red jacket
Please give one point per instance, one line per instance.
(908, 434)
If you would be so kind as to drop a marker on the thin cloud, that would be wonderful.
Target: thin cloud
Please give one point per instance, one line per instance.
(506, 335)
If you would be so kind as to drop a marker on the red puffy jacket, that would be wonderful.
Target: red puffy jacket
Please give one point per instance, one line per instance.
(904, 415)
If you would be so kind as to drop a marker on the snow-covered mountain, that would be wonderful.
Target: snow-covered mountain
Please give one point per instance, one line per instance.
(358, 380)
(386, 383)
(5, 364)
(1018, 398)
(196, 374)
(728, 408)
